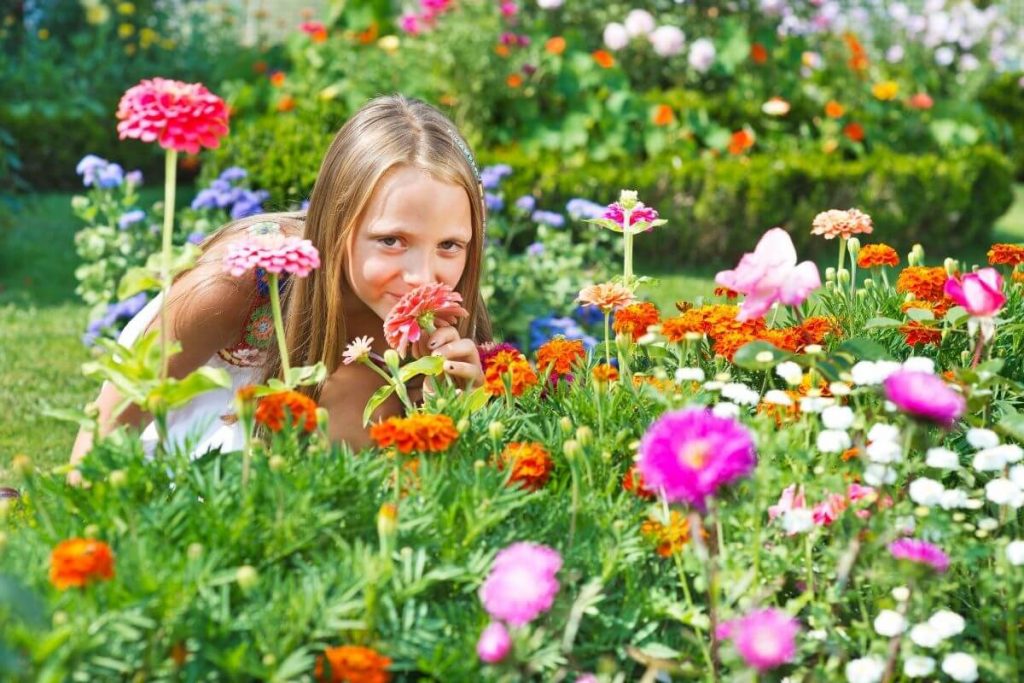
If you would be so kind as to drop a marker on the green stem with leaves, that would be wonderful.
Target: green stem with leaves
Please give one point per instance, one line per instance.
(275, 306)
(170, 183)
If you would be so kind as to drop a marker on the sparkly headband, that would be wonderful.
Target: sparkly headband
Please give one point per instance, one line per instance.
(476, 171)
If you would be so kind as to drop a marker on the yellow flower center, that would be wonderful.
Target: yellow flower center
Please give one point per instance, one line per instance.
(693, 454)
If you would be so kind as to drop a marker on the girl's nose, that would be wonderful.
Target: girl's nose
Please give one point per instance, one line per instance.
(419, 271)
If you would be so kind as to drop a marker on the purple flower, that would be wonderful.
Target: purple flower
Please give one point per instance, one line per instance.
(526, 203)
(115, 313)
(130, 218)
(690, 453)
(765, 638)
(88, 167)
(134, 178)
(304, 205)
(535, 249)
(522, 584)
(550, 218)
(491, 176)
(249, 203)
(925, 395)
(614, 212)
(494, 643)
(195, 238)
(494, 201)
(111, 175)
(583, 208)
(920, 552)
(233, 174)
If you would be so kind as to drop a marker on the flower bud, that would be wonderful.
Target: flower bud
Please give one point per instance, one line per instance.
(628, 199)
(462, 425)
(830, 274)
(606, 456)
(118, 478)
(91, 531)
(862, 294)
(247, 577)
(571, 449)
(812, 349)
(387, 520)
(868, 283)
(195, 551)
(584, 435)
(951, 266)
(92, 410)
(269, 660)
(479, 464)
(441, 403)
(391, 359)
(566, 425)
(853, 244)
(693, 336)
(276, 463)
(843, 276)
(60, 617)
(79, 203)
(496, 429)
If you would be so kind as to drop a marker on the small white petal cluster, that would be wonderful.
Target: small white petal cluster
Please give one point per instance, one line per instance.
(918, 666)
(867, 373)
(1004, 492)
(777, 397)
(1015, 553)
(689, 375)
(740, 393)
(797, 520)
(926, 492)
(865, 670)
(890, 623)
(833, 440)
(940, 626)
(961, 667)
(997, 457)
(982, 438)
(791, 373)
(837, 417)
(815, 404)
(666, 41)
(725, 409)
(942, 459)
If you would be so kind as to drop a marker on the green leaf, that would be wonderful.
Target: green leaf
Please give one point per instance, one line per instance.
(747, 356)
(861, 348)
(174, 393)
(375, 401)
(920, 314)
(881, 323)
(1012, 424)
(475, 400)
(428, 365)
(956, 315)
(71, 415)
(137, 280)
(306, 375)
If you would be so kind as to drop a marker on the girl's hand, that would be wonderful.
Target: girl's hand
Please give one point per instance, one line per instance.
(462, 360)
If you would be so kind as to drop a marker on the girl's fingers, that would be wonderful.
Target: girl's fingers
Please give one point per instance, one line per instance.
(459, 349)
(468, 372)
(442, 336)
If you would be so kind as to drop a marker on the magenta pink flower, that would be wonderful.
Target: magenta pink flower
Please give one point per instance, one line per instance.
(792, 498)
(424, 308)
(925, 395)
(857, 492)
(614, 212)
(690, 453)
(313, 28)
(828, 511)
(274, 253)
(179, 116)
(920, 552)
(770, 273)
(409, 23)
(765, 638)
(522, 584)
(494, 643)
(980, 293)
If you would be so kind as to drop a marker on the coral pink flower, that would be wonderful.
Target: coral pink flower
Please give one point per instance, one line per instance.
(274, 253)
(607, 296)
(770, 273)
(845, 224)
(494, 643)
(690, 453)
(312, 28)
(920, 100)
(925, 395)
(522, 584)
(792, 498)
(614, 212)
(828, 511)
(765, 638)
(920, 552)
(421, 309)
(179, 116)
(980, 293)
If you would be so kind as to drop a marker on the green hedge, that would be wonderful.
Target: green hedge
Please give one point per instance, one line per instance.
(717, 208)
(1004, 99)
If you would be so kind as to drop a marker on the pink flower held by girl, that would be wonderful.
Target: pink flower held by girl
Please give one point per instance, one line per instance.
(920, 552)
(522, 584)
(925, 396)
(770, 273)
(424, 308)
(274, 253)
(764, 638)
(179, 116)
(494, 643)
(690, 453)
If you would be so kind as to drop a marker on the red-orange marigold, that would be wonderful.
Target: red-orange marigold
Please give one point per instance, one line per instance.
(560, 354)
(917, 334)
(529, 463)
(510, 365)
(421, 432)
(633, 482)
(671, 537)
(876, 255)
(79, 561)
(635, 319)
(352, 664)
(604, 372)
(270, 411)
(1006, 254)
(924, 282)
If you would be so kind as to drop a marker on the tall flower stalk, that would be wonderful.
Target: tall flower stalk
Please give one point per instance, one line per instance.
(628, 216)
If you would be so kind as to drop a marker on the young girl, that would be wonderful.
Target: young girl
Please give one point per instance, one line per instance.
(397, 204)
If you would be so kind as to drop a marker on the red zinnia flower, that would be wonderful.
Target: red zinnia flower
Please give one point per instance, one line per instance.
(176, 115)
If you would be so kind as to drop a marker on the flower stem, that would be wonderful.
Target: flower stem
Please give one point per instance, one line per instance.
(275, 306)
(842, 254)
(627, 237)
(170, 178)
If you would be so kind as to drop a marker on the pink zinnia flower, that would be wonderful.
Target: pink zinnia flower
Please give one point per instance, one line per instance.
(607, 296)
(494, 643)
(690, 453)
(980, 293)
(522, 584)
(765, 638)
(409, 23)
(614, 212)
(792, 498)
(845, 224)
(770, 273)
(828, 511)
(920, 552)
(179, 116)
(312, 28)
(421, 309)
(274, 253)
(857, 492)
(925, 395)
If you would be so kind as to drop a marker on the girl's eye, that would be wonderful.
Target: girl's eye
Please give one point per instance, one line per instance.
(449, 245)
(388, 241)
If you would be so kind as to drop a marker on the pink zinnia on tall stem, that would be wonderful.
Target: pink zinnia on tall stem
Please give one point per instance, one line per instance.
(926, 396)
(691, 453)
(522, 584)
(765, 638)
(422, 309)
(920, 552)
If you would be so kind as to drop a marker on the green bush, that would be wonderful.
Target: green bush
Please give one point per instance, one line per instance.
(717, 208)
(1003, 100)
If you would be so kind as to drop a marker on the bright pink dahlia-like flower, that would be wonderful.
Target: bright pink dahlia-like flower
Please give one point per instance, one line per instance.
(494, 643)
(921, 552)
(980, 293)
(615, 212)
(770, 273)
(421, 309)
(690, 453)
(177, 115)
(522, 584)
(274, 253)
(765, 638)
(925, 395)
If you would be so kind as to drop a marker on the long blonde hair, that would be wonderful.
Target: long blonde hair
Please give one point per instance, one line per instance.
(386, 132)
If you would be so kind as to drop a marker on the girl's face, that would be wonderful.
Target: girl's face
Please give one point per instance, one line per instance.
(416, 230)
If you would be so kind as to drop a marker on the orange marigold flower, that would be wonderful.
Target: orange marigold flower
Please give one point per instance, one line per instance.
(277, 79)
(560, 354)
(740, 142)
(369, 35)
(726, 292)
(633, 482)
(877, 255)
(514, 80)
(286, 103)
(79, 561)
(938, 308)
(1017, 276)
(270, 412)
(663, 115)
(555, 45)
(501, 50)
(924, 282)
(421, 432)
(816, 328)
(675, 329)
(785, 338)
(635, 319)
(529, 463)
(758, 53)
(726, 345)
(854, 131)
(850, 453)
(1006, 254)
(834, 110)
(603, 58)
(664, 386)
(604, 372)
(352, 664)
(671, 537)
(917, 334)
(510, 366)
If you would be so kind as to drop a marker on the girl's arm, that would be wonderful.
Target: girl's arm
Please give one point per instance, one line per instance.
(206, 313)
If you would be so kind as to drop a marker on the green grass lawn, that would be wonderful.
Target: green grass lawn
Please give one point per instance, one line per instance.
(41, 321)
